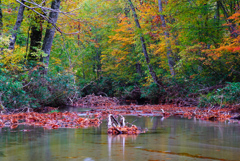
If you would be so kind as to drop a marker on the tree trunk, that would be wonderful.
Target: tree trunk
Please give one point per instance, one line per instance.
(168, 44)
(232, 26)
(17, 26)
(36, 35)
(138, 68)
(217, 17)
(35, 38)
(1, 16)
(98, 59)
(48, 39)
(144, 48)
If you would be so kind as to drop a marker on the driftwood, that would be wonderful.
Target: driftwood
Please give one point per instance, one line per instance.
(116, 127)
(209, 89)
(92, 100)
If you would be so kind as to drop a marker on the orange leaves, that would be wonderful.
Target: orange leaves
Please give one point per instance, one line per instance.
(232, 43)
(236, 49)
(133, 130)
(50, 121)
(235, 17)
(124, 33)
(208, 114)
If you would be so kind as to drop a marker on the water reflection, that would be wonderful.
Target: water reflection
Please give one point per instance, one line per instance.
(114, 139)
(156, 121)
(167, 139)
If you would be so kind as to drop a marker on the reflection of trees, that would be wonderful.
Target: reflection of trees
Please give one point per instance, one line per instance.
(156, 121)
(113, 139)
(23, 134)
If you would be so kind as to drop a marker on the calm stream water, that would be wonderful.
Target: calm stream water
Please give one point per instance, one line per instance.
(169, 139)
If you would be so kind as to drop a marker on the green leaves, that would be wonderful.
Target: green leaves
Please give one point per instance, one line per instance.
(228, 95)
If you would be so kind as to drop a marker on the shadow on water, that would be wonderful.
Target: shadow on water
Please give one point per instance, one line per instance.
(2, 154)
(183, 154)
(166, 139)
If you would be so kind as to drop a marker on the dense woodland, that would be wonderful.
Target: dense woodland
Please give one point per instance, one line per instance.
(184, 52)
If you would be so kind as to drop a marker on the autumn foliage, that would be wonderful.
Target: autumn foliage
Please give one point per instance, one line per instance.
(98, 48)
(53, 120)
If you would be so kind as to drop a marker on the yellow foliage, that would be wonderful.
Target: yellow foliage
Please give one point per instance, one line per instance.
(13, 60)
(56, 61)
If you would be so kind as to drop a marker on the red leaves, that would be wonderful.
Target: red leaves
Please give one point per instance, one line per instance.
(133, 130)
(73, 120)
(216, 114)
(13, 126)
(50, 121)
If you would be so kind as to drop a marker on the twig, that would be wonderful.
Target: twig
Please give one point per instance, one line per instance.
(31, 8)
(1, 105)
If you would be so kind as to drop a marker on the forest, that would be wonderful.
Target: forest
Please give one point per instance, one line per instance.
(182, 52)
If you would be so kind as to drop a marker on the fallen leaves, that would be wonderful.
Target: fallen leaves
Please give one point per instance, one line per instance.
(49, 121)
(57, 120)
(208, 114)
(133, 130)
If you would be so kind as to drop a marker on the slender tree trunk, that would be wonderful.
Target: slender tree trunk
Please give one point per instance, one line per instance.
(232, 26)
(17, 26)
(168, 44)
(48, 39)
(218, 19)
(1, 16)
(138, 68)
(144, 48)
(28, 36)
(98, 59)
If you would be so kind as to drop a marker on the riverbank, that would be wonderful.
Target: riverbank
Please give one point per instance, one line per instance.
(208, 114)
(52, 118)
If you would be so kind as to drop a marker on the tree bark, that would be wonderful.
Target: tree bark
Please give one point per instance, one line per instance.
(168, 44)
(48, 39)
(36, 35)
(1, 16)
(232, 26)
(35, 38)
(144, 48)
(17, 26)
(217, 17)
(98, 59)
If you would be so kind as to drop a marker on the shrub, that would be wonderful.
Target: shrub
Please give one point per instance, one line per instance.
(36, 89)
(228, 95)
(12, 94)
(53, 89)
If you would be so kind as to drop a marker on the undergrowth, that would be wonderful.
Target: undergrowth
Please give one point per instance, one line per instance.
(32, 89)
(228, 95)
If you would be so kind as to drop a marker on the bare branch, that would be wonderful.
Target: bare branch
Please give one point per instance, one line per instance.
(47, 19)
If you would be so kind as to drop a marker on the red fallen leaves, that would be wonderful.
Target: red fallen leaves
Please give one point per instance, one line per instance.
(72, 120)
(208, 114)
(50, 121)
(13, 126)
(133, 130)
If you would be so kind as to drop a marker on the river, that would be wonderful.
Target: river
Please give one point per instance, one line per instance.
(173, 138)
